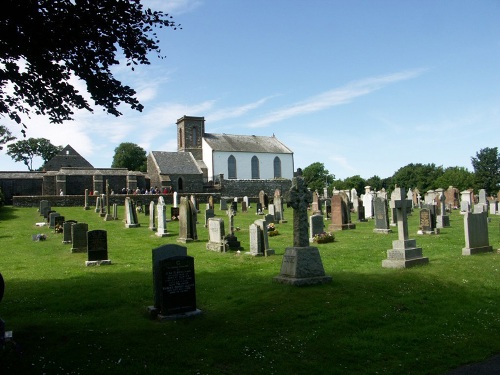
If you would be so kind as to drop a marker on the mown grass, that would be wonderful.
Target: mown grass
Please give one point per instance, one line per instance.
(72, 319)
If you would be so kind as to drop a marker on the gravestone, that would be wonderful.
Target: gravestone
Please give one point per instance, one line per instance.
(107, 215)
(175, 200)
(279, 214)
(234, 206)
(152, 221)
(209, 213)
(161, 210)
(428, 220)
(187, 221)
(476, 234)
(130, 214)
(115, 211)
(173, 283)
(245, 199)
(79, 237)
(86, 202)
(264, 237)
(174, 213)
(67, 230)
(269, 218)
(404, 252)
(216, 235)
(270, 210)
(316, 204)
(97, 248)
(232, 240)
(466, 201)
(368, 202)
(301, 264)
(354, 199)
(381, 214)
(493, 207)
(211, 202)
(262, 201)
(316, 226)
(259, 210)
(48, 216)
(223, 204)
(52, 219)
(340, 217)
(361, 211)
(58, 224)
(244, 207)
(194, 201)
(256, 245)
(44, 208)
(442, 220)
(97, 205)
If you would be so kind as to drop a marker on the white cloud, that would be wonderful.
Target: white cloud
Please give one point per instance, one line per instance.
(338, 96)
(226, 113)
(173, 6)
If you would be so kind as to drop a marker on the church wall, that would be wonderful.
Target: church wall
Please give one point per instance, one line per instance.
(251, 188)
(244, 164)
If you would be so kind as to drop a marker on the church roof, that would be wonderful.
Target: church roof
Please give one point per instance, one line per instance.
(176, 162)
(67, 157)
(245, 143)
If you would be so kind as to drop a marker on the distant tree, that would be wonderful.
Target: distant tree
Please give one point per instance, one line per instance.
(486, 166)
(376, 183)
(44, 43)
(5, 136)
(317, 177)
(458, 177)
(27, 149)
(420, 176)
(131, 156)
(354, 182)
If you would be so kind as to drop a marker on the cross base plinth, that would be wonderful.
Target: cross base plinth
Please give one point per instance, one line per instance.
(302, 266)
(404, 258)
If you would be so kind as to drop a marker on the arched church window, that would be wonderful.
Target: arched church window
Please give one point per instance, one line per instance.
(255, 167)
(277, 167)
(231, 167)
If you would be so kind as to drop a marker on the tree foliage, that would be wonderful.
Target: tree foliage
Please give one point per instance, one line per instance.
(131, 156)
(458, 177)
(5, 136)
(26, 150)
(43, 43)
(486, 166)
(420, 176)
(317, 177)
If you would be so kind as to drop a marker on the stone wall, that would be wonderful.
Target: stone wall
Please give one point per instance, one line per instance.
(251, 188)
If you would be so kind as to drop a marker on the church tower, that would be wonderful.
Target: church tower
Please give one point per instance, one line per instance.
(190, 131)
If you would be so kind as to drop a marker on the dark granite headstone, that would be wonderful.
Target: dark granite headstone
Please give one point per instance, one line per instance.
(67, 230)
(79, 237)
(381, 214)
(97, 245)
(159, 254)
(58, 223)
(48, 215)
(174, 213)
(259, 209)
(178, 285)
(52, 219)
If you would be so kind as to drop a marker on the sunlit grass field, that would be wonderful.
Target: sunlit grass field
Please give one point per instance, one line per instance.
(70, 319)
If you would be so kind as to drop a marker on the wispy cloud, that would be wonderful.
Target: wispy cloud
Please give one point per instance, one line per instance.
(173, 6)
(338, 96)
(227, 113)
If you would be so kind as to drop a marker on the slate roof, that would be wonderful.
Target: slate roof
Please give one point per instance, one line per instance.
(67, 157)
(246, 143)
(176, 162)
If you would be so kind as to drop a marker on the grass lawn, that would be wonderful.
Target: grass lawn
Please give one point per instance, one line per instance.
(70, 319)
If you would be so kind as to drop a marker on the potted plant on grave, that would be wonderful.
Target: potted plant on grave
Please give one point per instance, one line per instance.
(324, 237)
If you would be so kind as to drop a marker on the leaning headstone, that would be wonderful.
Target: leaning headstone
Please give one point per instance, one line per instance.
(67, 230)
(476, 234)
(152, 221)
(316, 226)
(404, 252)
(381, 214)
(216, 235)
(130, 214)
(173, 283)
(161, 210)
(187, 221)
(301, 264)
(97, 248)
(79, 237)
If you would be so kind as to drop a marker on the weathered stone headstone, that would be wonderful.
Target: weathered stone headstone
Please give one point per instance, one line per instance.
(86, 202)
(340, 214)
(442, 219)
(279, 214)
(52, 219)
(152, 221)
(209, 213)
(245, 199)
(216, 235)
(476, 234)
(67, 230)
(301, 264)
(187, 221)
(130, 214)
(161, 210)
(271, 211)
(44, 208)
(404, 252)
(316, 226)
(263, 199)
(368, 202)
(316, 204)
(264, 237)
(244, 207)
(211, 202)
(97, 205)
(466, 201)
(381, 214)
(115, 211)
(97, 248)
(256, 246)
(173, 283)
(79, 237)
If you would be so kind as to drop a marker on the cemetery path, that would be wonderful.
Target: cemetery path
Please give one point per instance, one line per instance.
(489, 367)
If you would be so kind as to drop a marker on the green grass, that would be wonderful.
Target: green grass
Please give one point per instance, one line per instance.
(71, 319)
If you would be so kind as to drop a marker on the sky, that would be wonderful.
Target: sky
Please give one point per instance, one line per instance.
(363, 86)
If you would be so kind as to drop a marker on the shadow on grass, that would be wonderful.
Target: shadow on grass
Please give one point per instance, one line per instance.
(395, 322)
(8, 213)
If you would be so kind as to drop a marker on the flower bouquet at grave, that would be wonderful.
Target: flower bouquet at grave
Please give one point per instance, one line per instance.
(39, 237)
(58, 228)
(324, 237)
(271, 230)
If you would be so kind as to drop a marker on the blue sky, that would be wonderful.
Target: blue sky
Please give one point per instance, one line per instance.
(364, 87)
